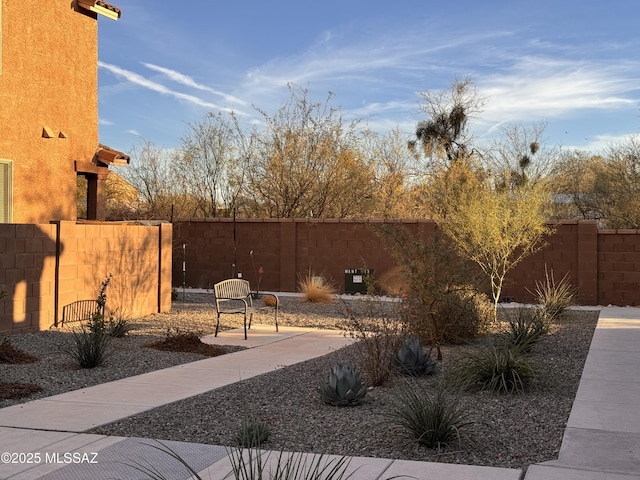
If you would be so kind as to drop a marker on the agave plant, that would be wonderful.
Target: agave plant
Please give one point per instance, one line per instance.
(413, 360)
(344, 386)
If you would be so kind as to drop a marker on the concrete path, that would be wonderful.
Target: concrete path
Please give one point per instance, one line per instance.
(601, 442)
(602, 438)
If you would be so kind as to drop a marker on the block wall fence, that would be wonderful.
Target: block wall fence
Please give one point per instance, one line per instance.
(604, 265)
(44, 267)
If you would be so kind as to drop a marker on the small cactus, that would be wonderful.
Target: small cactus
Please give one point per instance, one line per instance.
(413, 360)
(344, 386)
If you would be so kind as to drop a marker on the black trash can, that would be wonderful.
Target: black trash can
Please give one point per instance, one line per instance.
(356, 280)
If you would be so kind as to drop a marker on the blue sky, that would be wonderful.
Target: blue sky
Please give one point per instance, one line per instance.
(572, 64)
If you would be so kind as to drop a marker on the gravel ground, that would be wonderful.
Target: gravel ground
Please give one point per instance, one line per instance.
(507, 431)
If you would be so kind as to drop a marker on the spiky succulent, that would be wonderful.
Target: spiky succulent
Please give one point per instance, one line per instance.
(344, 386)
(413, 360)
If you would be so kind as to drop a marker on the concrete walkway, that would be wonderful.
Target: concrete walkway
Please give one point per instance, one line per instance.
(602, 439)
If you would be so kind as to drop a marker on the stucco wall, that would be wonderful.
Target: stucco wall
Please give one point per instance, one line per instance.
(44, 267)
(49, 78)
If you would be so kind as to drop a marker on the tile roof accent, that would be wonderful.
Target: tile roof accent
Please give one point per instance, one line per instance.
(101, 7)
(109, 156)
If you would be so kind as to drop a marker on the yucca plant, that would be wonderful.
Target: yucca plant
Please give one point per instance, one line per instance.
(524, 328)
(252, 433)
(413, 360)
(344, 386)
(554, 297)
(434, 420)
(497, 368)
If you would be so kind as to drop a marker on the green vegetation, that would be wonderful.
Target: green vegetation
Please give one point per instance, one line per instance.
(344, 387)
(496, 368)
(433, 420)
(90, 345)
(524, 328)
(554, 298)
(252, 433)
(413, 360)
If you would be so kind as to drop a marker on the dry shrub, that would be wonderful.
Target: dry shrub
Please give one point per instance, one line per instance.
(441, 303)
(380, 330)
(316, 290)
(270, 301)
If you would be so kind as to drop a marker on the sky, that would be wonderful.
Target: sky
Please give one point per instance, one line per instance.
(574, 65)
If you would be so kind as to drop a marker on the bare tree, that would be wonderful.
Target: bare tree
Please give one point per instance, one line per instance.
(212, 162)
(152, 174)
(307, 163)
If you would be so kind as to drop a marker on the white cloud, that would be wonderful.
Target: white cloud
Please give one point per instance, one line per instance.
(190, 82)
(156, 87)
(542, 88)
(600, 143)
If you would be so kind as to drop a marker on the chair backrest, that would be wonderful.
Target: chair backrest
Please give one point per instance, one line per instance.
(232, 288)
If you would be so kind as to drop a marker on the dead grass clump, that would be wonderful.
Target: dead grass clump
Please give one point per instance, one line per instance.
(316, 290)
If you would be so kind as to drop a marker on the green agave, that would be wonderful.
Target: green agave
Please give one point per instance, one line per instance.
(413, 360)
(344, 386)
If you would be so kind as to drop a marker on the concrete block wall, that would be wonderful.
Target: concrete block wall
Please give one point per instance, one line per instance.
(604, 265)
(45, 267)
(619, 267)
(27, 276)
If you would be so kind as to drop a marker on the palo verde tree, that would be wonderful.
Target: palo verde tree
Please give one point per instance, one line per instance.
(494, 217)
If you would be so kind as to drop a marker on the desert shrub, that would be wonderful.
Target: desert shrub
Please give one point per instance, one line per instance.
(269, 300)
(344, 387)
(441, 303)
(315, 289)
(413, 360)
(90, 345)
(524, 327)
(554, 297)
(118, 325)
(434, 420)
(252, 433)
(496, 368)
(380, 330)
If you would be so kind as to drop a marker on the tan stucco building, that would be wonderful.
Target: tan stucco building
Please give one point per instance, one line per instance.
(49, 109)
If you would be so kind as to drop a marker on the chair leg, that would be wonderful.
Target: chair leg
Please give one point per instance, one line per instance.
(217, 326)
(245, 326)
(250, 319)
